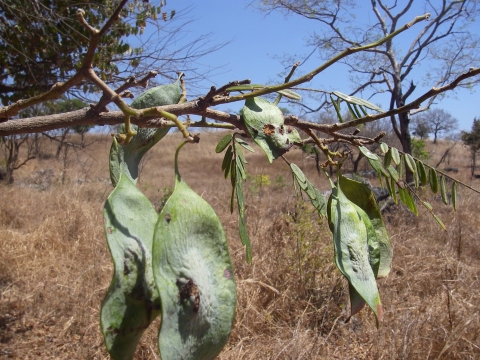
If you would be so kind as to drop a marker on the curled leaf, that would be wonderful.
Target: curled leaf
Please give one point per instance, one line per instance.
(265, 124)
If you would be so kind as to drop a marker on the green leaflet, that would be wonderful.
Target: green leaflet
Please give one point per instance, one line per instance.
(286, 92)
(384, 147)
(350, 238)
(194, 275)
(367, 153)
(433, 180)
(362, 196)
(265, 124)
(422, 173)
(317, 199)
(132, 300)
(222, 144)
(132, 153)
(355, 100)
(443, 190)
(395, 156)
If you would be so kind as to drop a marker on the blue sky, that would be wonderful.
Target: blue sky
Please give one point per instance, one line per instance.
(256, 41)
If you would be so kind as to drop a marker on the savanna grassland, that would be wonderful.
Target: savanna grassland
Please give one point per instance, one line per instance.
(292, 301)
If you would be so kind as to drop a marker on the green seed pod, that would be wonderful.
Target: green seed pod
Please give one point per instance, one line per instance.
(362, 196)
(194, 275)
(350, 238)
(132, 301)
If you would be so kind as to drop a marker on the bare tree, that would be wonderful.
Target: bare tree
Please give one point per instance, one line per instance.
(437, 122)
(443, 47)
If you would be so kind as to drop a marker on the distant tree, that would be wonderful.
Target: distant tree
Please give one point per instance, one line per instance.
(42, 42)
(444, 46)
(437, 122)
(420, 128)
(472, 139)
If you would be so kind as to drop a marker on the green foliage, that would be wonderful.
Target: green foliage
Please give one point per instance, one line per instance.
(57, 42)
(233, 166)
(419, 150)
(362, 196)
(472, 138)
(318, 200)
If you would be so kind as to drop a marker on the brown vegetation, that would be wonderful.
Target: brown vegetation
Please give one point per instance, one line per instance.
(55, 266)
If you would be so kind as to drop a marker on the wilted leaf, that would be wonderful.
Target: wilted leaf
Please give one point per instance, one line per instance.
(132, 153)
(316, 198)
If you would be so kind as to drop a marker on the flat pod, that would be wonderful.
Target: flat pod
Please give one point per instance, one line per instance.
(194, 275)
(361, 195)
(350, 238)
(132, 300)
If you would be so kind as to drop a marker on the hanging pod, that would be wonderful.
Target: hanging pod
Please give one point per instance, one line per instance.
(132, 300)
(351, 231)
(362, 196)
(194, 275)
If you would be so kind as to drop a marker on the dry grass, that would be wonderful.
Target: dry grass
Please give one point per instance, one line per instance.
(55, 266)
